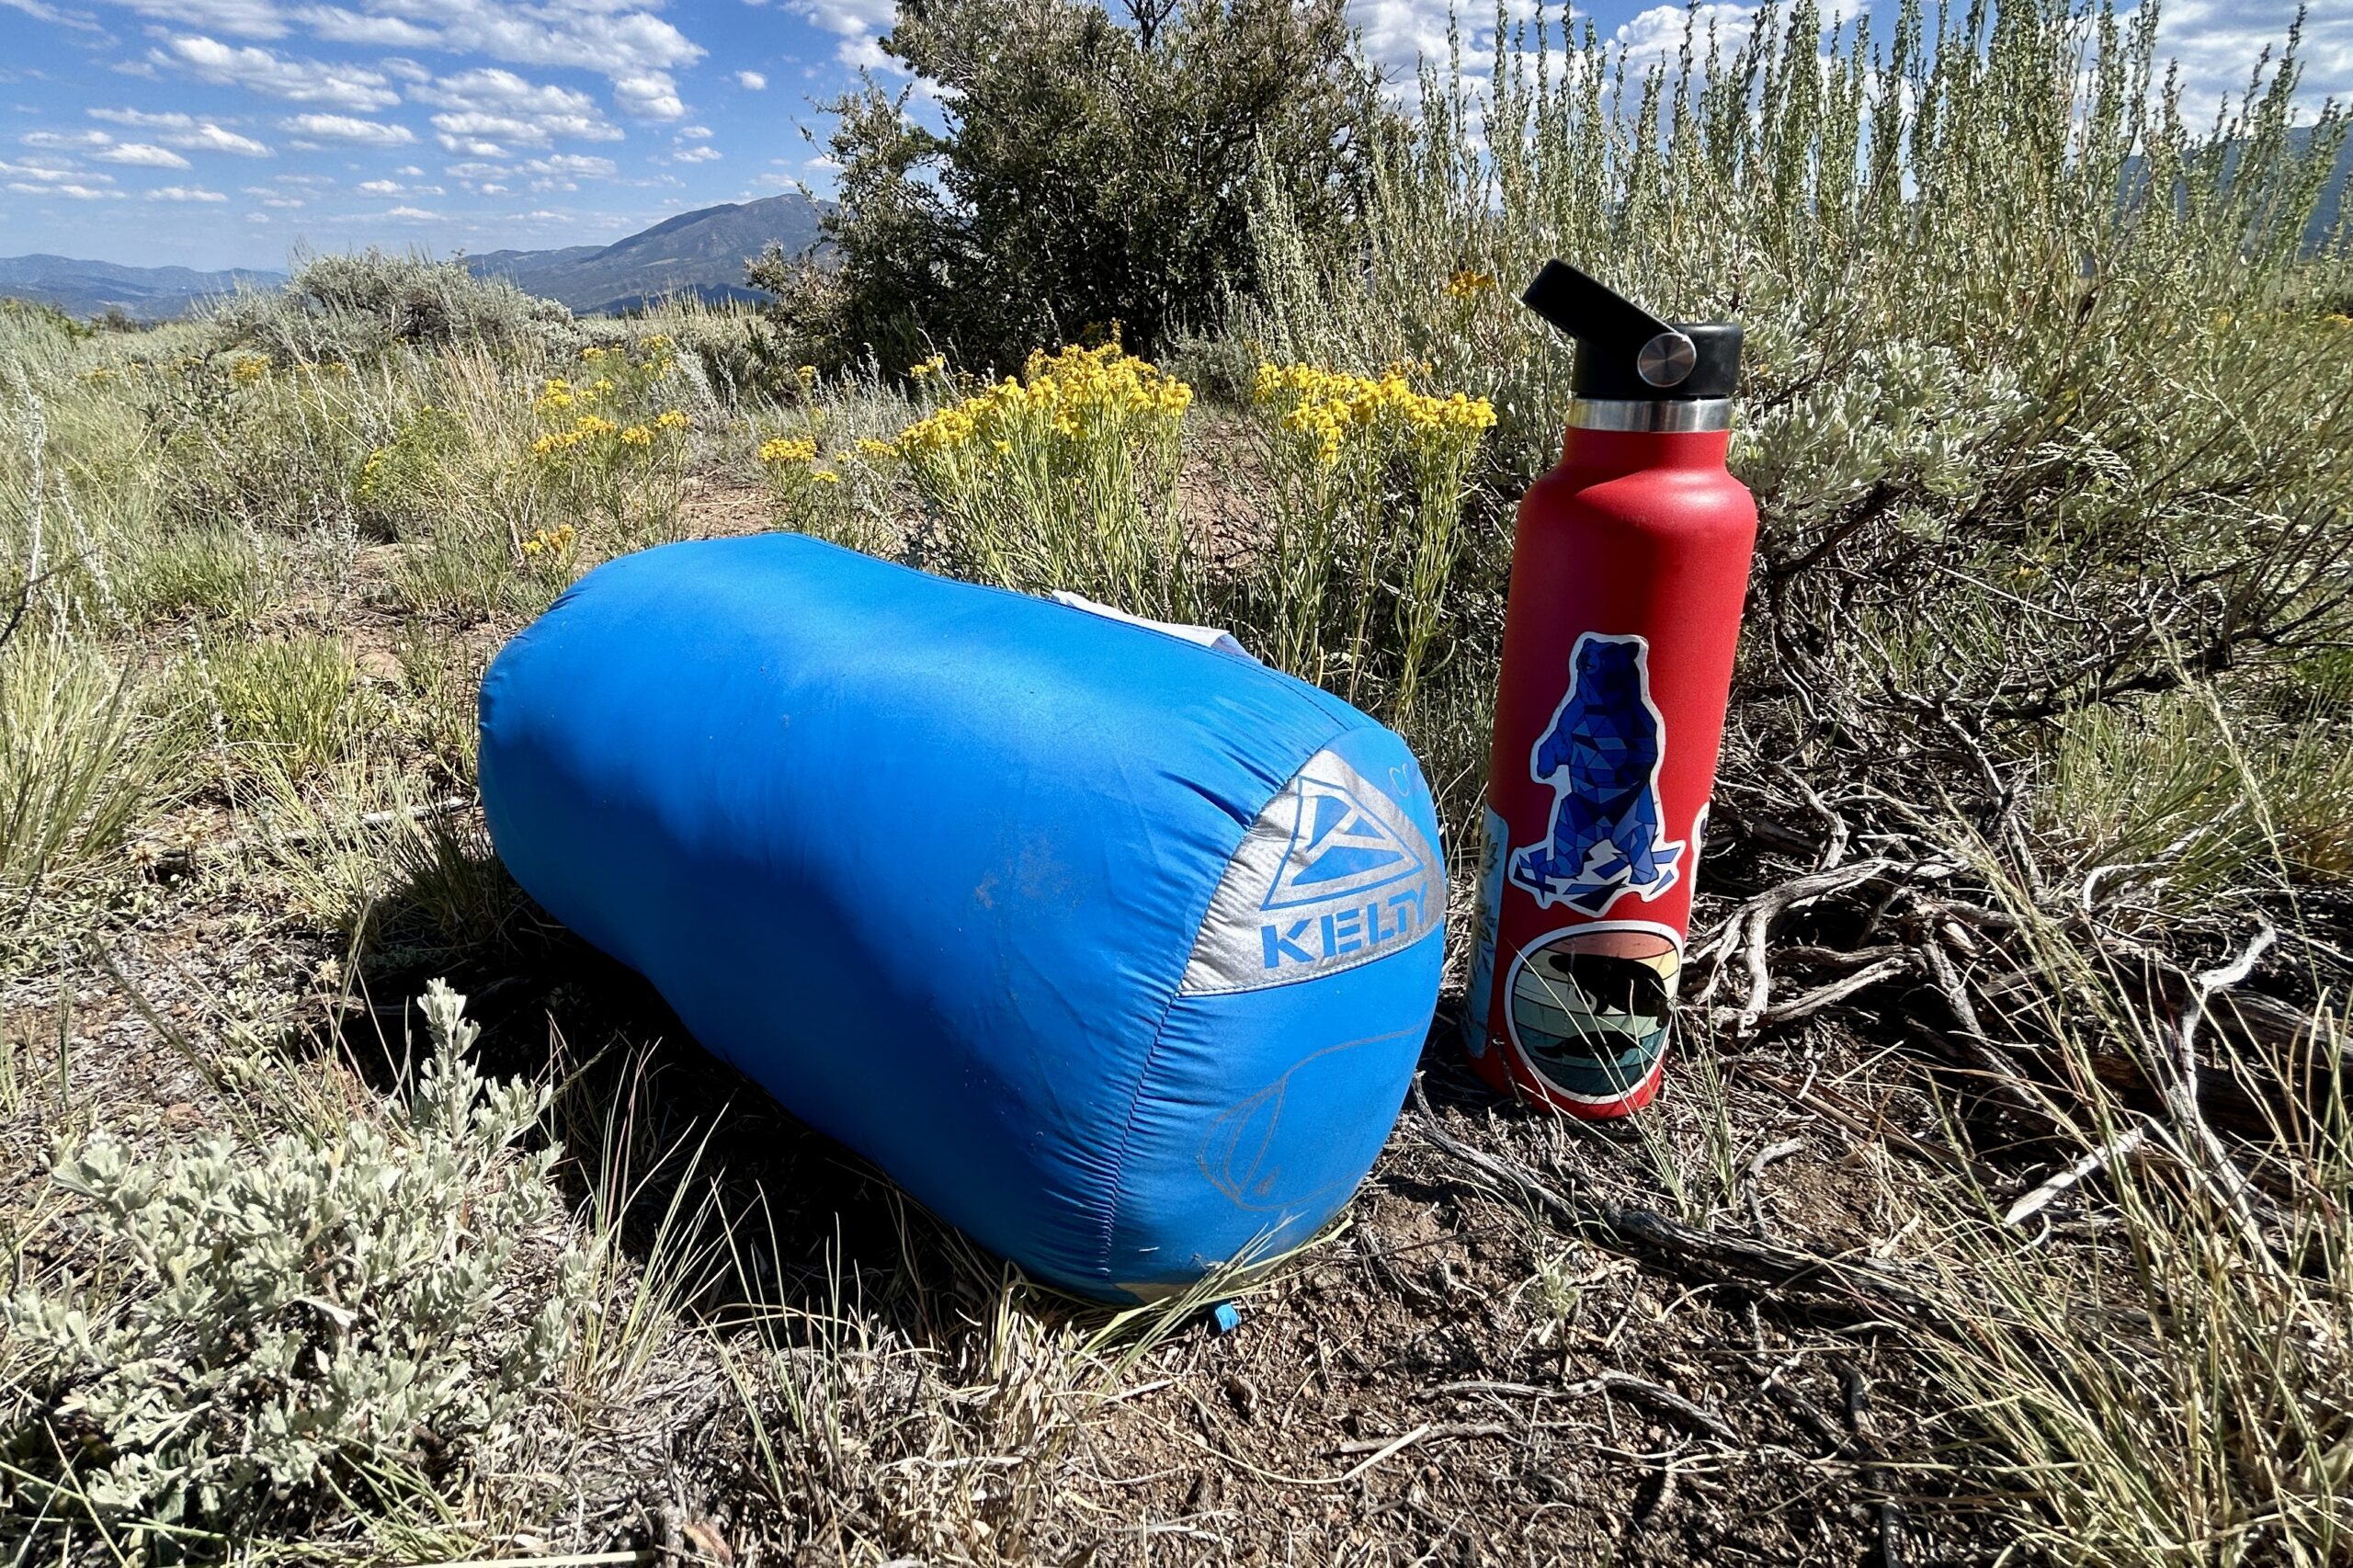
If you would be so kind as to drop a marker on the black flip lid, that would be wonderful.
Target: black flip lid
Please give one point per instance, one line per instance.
(1626, 353)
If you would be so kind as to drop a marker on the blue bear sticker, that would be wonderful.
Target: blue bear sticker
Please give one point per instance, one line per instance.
(1601, 756)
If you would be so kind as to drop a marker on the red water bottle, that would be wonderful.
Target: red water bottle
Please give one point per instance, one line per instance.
(1628, 572)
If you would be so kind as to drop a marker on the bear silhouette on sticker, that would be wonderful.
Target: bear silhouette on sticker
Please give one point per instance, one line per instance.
(1601, 756)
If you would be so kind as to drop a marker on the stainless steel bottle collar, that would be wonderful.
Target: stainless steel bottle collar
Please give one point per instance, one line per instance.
(1682, 415)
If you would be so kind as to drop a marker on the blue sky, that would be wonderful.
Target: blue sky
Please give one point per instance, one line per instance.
(223, 133)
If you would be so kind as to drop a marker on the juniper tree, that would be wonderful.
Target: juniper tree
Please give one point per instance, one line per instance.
(1089, 170)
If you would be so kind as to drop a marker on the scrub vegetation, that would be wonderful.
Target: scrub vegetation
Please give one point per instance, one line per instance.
(1997, 1205)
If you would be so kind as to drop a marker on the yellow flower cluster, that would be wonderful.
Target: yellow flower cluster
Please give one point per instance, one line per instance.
(930, 367)
(588, 427)
(671, 419)
(1323, 405)
(791, 460)
(248, 368)
(1074, 394)
(1469, 284)
(550, 541)
(555, 397)
(638, 435)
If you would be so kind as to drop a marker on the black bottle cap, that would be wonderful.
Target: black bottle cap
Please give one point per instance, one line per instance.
(1626, 353)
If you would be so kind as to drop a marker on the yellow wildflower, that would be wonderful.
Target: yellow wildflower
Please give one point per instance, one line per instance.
(671, 419)
(1073, 394)
(932, 366)
(1469, 283)
(248, 368)
(638, 435)
(789, 450)
(1323, 405)
(550, 541)
(824, 476)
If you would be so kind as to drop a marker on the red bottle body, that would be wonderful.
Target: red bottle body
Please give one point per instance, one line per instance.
(1629, 570)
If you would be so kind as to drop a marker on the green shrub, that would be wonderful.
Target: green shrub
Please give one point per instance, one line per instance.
(1089, 175)
(274, 1329)
(413, 479)
(439, 676)
(252, 446)
(1065, 478)
(1365, 479)
(2006, 314)
(213, 570)
(293, 705)
(355, 308)
(76, 764)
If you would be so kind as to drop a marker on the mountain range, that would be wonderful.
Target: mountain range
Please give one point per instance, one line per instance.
(701, 253)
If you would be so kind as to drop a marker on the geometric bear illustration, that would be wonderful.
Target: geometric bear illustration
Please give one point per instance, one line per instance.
(1601, 756)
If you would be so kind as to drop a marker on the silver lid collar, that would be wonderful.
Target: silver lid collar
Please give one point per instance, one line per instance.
(1695, 414)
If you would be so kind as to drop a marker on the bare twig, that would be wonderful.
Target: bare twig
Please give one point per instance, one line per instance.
(2180, 1090)
(1806, 1274)
(1639, 1390)
(1892, 1553)
(2099, 1159)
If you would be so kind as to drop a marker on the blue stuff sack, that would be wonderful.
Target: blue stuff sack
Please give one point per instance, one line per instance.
(1114, 950)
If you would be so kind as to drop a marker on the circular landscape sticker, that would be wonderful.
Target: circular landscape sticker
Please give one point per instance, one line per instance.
(1590, 1007)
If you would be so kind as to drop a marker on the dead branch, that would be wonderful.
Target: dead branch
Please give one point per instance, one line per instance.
(1805, 1277)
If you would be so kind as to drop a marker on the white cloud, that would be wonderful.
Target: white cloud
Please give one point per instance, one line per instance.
(141, 154)
(143, 119)
(345, 127)
(2218, 42)
(39, 12)
(276, 76)
(54, 170)
(476, 170)
(210, 138)
(694, 133)
(380, 186)
(751, 80)
(71, 191)
(1656, 34)
(572, 164)
(413, 214)
(66, 140)
(184, 193)
(650, 95)
(338, 26)
(858, 22)
(612, 38)
(488, 108)
(696, 155)
(408, 170)
(244, 19)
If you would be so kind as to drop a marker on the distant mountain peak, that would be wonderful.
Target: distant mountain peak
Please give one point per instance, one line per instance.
(701, 253)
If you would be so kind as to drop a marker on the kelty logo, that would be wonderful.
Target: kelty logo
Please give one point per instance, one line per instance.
(1333, 874)
(1601, 756)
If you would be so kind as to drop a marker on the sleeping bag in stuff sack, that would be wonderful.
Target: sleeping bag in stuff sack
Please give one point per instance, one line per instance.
(1115, 950)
